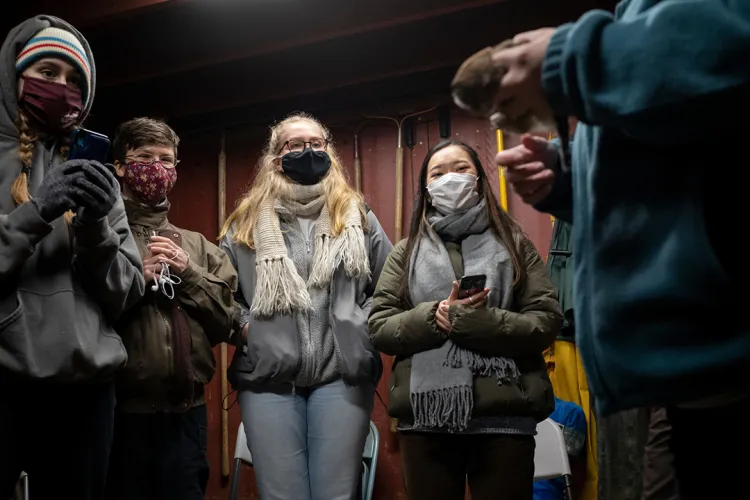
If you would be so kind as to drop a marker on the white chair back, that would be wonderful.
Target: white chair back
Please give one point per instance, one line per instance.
(551, 455)
(241, 451)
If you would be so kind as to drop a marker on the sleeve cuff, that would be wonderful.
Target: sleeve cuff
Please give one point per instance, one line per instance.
(427, 311)
(91, 235)
(27, 220)
(458, 311)
(552, 72)
(191, 276)
(432, 317)
(452, 311)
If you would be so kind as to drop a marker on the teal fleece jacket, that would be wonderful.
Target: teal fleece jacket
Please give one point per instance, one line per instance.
(653, 194)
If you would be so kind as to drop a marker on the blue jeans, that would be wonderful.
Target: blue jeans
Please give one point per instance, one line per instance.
(308, 445)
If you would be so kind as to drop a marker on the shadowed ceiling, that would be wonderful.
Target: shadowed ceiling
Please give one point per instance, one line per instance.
(205, 63)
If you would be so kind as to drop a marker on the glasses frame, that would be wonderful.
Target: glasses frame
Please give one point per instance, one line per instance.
(307, 144)
(154, 159)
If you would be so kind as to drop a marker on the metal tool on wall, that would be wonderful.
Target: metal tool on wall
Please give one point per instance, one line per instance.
(444, 122)
(357, 162)
(222, 169)
(410, 139)
(400, 166)
(501, 171)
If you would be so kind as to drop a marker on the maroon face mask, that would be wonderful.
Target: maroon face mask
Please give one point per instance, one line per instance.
(151, 182)
(54, 106)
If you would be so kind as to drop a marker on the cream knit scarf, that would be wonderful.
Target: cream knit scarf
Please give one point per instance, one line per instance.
(279, 289)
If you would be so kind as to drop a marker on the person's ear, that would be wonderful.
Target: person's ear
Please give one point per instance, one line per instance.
(119, 168)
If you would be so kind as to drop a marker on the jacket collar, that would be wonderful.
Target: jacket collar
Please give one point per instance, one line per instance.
(149, 216)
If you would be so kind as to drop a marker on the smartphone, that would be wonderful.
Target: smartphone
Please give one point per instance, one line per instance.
(471, 285)
(89, 145)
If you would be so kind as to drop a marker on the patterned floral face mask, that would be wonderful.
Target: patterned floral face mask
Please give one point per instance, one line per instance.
(151, 182)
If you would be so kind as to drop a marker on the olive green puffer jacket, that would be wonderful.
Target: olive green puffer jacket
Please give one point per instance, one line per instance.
(400, 330)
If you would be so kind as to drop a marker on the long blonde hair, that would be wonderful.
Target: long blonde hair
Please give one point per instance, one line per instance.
(27, 139)
(270, 183)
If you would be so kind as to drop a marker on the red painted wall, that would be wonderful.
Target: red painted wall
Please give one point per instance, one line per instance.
(194, 206)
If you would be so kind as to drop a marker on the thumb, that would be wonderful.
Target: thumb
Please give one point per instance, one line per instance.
(534, 143)
(454, 292)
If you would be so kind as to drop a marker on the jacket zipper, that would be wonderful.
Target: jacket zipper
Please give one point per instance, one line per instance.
(308, 340)
(167, 328)
(332, 325)
(167, 340)
(311, 368)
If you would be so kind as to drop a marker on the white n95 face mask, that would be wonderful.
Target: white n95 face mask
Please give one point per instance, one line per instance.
(453, 193)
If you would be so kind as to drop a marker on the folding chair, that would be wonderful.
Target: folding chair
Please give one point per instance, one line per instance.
(369, 461)
(551, 455)
(22, 488)
(241, 454)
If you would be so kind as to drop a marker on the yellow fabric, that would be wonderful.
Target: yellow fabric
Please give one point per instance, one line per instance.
(569, 383)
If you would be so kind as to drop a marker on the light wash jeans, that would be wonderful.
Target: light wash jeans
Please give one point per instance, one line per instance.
(308, 445)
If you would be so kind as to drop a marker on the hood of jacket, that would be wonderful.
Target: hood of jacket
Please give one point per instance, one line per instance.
(14, 42)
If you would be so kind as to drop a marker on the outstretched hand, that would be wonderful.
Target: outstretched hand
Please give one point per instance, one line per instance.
(530, 168)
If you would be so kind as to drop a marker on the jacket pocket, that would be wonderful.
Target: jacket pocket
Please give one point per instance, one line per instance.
(272, 354)
(531, 396)
(399, 387)
(10, 311)
(13, 334)
(59, 336)
(360, 358)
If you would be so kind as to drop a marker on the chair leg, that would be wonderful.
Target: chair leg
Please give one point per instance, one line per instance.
(235, 483)
(363, 479)
(568, 487)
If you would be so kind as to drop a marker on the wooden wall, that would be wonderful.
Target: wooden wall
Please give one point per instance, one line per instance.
(194, 206)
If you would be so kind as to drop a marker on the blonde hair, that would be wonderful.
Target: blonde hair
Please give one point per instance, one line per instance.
(27, 138)
(271, 183)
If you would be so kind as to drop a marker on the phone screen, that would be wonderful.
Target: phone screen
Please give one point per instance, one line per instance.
(471, 285)
(88, 145)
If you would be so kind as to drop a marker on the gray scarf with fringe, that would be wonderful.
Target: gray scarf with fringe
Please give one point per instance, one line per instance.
(279, 289)
(442, 379)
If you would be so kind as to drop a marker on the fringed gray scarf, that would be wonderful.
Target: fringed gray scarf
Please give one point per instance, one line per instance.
(279, 289)
(442, 379)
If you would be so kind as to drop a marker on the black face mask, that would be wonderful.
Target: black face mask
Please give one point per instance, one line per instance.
(306, 167)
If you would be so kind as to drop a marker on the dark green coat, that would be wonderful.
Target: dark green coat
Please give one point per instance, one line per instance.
(560, 265)
(400, 330)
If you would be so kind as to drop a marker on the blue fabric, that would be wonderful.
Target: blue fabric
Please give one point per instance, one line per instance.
(572, 419)
(308, 445)
(653, 88)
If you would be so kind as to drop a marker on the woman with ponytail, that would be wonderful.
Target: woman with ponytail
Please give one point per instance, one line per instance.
(68, 268)
(308, 253)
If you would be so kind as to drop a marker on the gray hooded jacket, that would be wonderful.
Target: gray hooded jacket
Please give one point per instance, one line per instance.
(61, 286)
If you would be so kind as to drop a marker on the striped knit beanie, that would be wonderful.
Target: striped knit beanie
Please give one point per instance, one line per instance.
(55, 42)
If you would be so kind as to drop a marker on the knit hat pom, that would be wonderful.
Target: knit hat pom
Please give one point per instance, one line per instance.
(56, 42)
